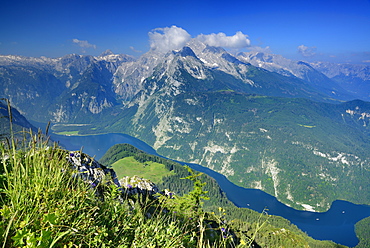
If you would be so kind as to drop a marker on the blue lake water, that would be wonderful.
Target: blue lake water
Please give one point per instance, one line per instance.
(337, 224)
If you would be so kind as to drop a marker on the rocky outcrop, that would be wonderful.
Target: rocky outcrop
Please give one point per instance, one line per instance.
(90, 171)
(96, 174)
(137, 185)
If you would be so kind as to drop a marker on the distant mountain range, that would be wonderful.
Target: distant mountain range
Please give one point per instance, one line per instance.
(353, 78)
(291, 128)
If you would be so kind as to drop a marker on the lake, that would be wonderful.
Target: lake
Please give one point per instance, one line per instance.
(337, 224)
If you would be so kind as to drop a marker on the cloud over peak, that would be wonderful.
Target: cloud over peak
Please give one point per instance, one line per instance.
(173, 38)
(237, 41)
(166, 39)
(306, 51)
(83, 44)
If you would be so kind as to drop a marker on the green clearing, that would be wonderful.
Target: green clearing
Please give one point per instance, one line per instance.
(67, 133)
(306, 126)
(74, 129)
(129, 166)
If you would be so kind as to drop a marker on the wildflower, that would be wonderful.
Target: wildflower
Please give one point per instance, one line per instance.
(223, 229)
(242, 242)
(129, 186)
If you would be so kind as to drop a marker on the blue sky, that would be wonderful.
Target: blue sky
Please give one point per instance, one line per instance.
(311, 30)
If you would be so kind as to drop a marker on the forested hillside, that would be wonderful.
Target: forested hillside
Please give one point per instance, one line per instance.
(273, 231)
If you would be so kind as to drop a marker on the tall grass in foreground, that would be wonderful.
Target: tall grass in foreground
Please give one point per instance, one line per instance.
(43, 205)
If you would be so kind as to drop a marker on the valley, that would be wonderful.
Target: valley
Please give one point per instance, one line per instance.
(110, 150)
(263, 121)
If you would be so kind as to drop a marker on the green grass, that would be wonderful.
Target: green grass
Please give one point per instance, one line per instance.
(43, 205)
(150, 170)
(67, 133)
(74, 129)
(306, 126)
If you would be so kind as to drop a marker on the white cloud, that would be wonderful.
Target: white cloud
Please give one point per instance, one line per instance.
(237, 41)
(134, 50)
(166, 39)
(306, 51)
(83, 44)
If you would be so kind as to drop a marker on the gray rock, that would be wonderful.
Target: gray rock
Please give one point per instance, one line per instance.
(137, 185)
(96, 174)
(90, 171)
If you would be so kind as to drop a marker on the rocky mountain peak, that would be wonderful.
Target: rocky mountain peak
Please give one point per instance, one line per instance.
(186, 51)
(212, 49)
(106, 52)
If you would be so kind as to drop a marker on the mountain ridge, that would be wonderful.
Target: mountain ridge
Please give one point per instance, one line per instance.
(204, 105)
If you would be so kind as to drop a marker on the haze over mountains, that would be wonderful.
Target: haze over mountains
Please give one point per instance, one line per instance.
(290, 128)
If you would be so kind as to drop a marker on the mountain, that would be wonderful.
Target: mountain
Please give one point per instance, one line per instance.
(60, 89)
(298, 150)
(353, 78)
(212, 65)
(299, 69)
(263, 121)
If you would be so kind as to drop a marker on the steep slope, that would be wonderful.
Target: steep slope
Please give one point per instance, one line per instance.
(184, 70)
(90, 95)
(301, 151)
(129, 77)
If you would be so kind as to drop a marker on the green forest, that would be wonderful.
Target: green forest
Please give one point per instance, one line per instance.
(264, 229)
